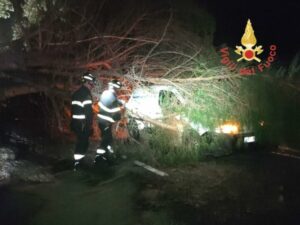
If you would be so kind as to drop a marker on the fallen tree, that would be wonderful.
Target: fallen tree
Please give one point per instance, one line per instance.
(54, 43)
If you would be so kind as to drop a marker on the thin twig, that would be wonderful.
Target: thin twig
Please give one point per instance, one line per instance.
(158, 43)
(101, 37)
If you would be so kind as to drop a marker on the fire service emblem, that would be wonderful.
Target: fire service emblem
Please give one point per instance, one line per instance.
(248, 52)
(249, 41)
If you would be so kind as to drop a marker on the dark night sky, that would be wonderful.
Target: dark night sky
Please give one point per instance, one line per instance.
(273, 22)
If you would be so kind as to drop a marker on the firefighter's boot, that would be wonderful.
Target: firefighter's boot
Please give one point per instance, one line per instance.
(77, 160)
(100, 154)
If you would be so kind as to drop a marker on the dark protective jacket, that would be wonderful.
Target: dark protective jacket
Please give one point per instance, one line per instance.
(82, 111)
(109, 105)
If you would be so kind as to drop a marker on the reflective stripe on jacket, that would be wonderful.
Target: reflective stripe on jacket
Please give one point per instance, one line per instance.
(109, 106)
(82, 105)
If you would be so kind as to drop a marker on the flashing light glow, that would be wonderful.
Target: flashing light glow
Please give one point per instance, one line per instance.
(228, 128)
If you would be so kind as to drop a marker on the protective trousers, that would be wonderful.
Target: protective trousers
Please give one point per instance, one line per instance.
(82, 133)
(106, 133)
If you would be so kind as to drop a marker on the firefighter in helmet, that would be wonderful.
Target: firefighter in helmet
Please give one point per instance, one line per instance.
(82, 114)
(110, 112)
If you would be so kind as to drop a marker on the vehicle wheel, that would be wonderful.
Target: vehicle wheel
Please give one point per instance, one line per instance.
(133, 129)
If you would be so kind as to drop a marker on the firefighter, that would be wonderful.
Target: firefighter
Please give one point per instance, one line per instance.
(82, 111)
(110, 112)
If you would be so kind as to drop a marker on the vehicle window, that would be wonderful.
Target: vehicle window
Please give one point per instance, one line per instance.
(168, 99)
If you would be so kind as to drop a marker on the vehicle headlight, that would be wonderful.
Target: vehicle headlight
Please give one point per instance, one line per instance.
(228, 128)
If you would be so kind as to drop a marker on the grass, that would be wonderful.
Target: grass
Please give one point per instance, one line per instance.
(159, 147)
(168, 149)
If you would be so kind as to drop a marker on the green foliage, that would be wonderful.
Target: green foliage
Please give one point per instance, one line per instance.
(276, 106)
(261, 103)
(269, 109)
(294, 67)
(291, 72)
(167, 149)
(27, 14)
(17, 31)
(33, 10)
(216, 103)
(6, 8)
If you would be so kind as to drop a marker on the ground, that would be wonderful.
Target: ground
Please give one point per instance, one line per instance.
(244, 188)
(241, 189)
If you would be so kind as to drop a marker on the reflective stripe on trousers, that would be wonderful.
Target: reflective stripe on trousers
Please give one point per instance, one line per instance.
(78, 117)
(78, 156)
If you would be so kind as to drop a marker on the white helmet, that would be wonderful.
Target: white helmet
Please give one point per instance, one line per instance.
(115, 84)
(88, 77)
